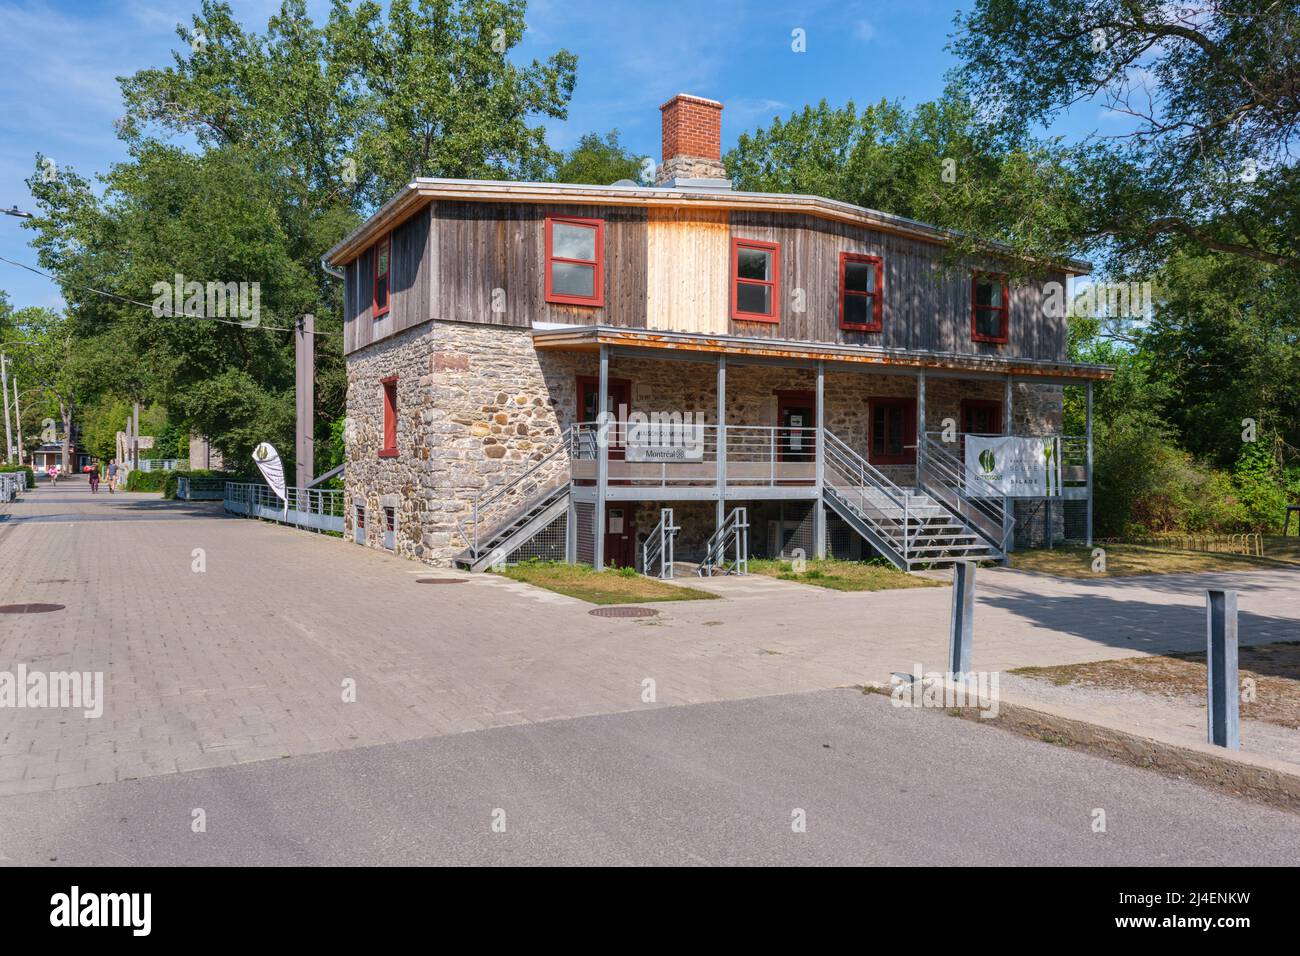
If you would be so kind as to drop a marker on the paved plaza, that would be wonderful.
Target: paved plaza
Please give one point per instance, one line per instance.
(226, 641)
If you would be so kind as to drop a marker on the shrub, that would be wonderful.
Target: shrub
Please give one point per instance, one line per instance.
(31, 475)
(145, 480)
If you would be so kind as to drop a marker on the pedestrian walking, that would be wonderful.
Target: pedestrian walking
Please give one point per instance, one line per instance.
(112, 475)
(94, 479)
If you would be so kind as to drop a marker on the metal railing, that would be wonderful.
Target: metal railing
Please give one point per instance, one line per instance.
(943, 476)
(164, 464)
(657, 549)
(756, 455)
(886, 508)
(488, 505)
(200, 489)
(315, 508)
(728, 547)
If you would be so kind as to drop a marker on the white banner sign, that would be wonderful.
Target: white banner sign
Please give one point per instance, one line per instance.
(268, 460)
(1013, 467)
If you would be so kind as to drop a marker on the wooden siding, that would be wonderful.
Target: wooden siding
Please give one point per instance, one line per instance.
(926, 306)
(409, 286)
(687, 270)
(482, 247)
(668, 269)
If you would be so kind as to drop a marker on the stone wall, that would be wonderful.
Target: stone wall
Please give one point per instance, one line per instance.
(478, 406)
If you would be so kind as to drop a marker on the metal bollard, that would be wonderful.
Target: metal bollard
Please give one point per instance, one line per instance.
(962, 627)
(1222, 706)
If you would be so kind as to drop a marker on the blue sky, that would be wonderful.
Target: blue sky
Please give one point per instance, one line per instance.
(60, 95)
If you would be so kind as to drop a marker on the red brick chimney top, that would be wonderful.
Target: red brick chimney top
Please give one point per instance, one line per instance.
(692, 126)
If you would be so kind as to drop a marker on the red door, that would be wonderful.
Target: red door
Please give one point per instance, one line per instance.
(620, 536)
(620, 397)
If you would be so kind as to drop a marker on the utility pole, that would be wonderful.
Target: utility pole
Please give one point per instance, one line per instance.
(18, 421)
(9, 437)
(304, 354)
(135, 437)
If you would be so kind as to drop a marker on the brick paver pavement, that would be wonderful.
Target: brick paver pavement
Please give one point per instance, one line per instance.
(249, 658)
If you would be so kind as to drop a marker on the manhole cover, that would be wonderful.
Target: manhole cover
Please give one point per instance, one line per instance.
(622, 612)
(439, 580)
(29, 608)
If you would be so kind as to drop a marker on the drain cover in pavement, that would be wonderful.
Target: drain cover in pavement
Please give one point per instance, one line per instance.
(29, 608)
(439, 580)
(622, 612)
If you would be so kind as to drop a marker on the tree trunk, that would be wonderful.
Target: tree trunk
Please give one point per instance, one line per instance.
(65, 411)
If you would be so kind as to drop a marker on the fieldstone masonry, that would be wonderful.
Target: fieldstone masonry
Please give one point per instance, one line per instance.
(477, 406)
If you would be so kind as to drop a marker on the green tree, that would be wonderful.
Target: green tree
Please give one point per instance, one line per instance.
(599, 161)
(939, 163)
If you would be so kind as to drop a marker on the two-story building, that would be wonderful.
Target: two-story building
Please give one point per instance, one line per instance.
(817, 365)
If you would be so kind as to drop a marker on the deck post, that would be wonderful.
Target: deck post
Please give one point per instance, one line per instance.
(571, 530)
(603, 426)
(819, 505)
(1008, 504)
(920, 425)
(720, 509)
(1088, 433)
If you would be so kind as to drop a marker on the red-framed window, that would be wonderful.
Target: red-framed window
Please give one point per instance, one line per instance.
(988, 307)
(755, 280)
(861, 285)
(382, 262)
(575, 260)
(892, 425)
(390, 417)
(981, 416)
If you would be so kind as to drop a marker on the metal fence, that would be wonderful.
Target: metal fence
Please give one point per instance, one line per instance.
(320, 509)
(164, 464)
(11, 483)
(200, 489)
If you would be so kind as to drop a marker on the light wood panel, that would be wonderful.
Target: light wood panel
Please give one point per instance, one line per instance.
(687, 270)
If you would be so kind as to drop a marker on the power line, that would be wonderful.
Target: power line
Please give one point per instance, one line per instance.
(146, 305)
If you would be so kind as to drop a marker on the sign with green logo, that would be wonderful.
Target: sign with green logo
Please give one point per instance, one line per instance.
(1012, 466)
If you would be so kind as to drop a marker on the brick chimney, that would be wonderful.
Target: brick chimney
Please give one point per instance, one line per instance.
(692, 128)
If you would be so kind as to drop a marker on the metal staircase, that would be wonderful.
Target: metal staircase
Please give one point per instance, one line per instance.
(542, 503)
(910, 529)
(727, 551)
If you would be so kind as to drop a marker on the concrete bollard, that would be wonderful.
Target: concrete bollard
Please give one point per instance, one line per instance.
(962, 626)
(1222, 705)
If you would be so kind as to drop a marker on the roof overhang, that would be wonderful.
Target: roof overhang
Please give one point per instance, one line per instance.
(420, 192)
(783, 351)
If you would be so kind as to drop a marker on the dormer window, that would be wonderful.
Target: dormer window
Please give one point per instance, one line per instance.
(755, 280)
(575, 261)
(383, 264)
(988, 296)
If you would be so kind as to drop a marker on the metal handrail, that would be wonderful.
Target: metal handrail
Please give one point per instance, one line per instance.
(949, 474)
(734, 527)
(658, 546)
(481, 503)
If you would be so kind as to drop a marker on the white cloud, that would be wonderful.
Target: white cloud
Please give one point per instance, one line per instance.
(864, 30)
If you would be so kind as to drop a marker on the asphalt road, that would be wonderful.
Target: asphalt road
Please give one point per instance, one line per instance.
(716, 783)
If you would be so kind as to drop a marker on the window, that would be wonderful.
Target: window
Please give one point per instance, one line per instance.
(359, 529)
(988, 298)
(893, 431)
(755, 280)
(981, 416)
(383, 265)
(575, 261)
(390, 418)
(860, 287)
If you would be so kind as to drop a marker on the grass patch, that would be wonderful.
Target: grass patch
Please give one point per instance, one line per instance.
(1274, 668)
(1123, 560)
(616, 586)
(842, 575)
